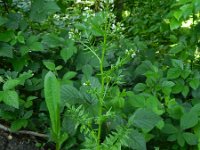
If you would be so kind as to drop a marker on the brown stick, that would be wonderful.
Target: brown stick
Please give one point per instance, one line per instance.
(2, 127)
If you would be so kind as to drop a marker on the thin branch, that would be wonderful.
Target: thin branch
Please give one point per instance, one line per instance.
(91, 51)
(2, 127)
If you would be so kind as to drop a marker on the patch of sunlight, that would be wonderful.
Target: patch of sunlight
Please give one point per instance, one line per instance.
(126, 13)
(187, 24)
(86, 2)
(197, 54)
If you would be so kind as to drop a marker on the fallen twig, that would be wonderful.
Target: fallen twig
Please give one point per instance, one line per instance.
(2, 127)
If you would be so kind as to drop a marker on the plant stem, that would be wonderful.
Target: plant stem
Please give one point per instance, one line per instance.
(57, 145)
(101, 100)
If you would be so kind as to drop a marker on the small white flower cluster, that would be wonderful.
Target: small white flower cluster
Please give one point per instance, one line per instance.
(73, 33)
(130, 52)
(87, 83)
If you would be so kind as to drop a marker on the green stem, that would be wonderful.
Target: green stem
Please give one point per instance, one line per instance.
(102, 87)
(57, 145)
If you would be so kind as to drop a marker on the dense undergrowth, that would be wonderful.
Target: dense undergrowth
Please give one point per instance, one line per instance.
(102, 74)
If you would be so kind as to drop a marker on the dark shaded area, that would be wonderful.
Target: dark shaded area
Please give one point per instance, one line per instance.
(14, 142)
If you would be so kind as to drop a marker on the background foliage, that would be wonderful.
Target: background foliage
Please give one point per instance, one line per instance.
(151, 78)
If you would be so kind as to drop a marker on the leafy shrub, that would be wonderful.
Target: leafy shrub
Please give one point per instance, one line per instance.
(125, 77)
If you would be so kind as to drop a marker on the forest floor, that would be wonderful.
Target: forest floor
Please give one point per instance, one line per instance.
(19, 142)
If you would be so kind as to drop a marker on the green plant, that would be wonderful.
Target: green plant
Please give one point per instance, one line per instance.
(128, 72)
(52, 98)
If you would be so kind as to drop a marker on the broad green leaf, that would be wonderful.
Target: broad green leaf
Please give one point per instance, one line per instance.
(178, 87)
(189, 120)
(180, 139)
(194, 83)
(68, 51)
(2, 20)
(185, 73)
(7, 36)
(53, 40)
(153, 104)
(49, 65)
(6, 50)
(177, 48)
(18, 124)
(187, 10)
(136, 100)
(11, 98)
(36, 46)
(13, 21)
(174, 24)
(70, 94)
(41, 9)
(172, 137)
(177, 14)
(21, 39)
(136, 140)
(168, 84)
(177, 63)
(174, 109)
(167, 87)
(169, 129)
(69, 75)
(140, 87)
(144, 119)
(52, 99)
(87, 70)
(173, 73)
(24, 76)
(185, 91)
(190, 138)
(10, 84)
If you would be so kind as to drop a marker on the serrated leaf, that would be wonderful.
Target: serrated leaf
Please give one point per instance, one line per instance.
(190, 138)
(10, 84)
(178, 87)
(6, 50)
(68, 51)
(70, 94)
(41, 9)
(7, 36)
(140, 87)
(185, 91)
(49, 65)
(36, 46)
(194, 83)
(173, 73)
(188, 120)
(144, 119)
(177, 48)
(52, 40)
(168, 84)
(169, 129)
(177, 63)
(18, 124)
(136, 100)
(136, 140)
(11, 98)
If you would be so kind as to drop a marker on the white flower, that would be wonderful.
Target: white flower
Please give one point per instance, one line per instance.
(133, 55)
(78, 1)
